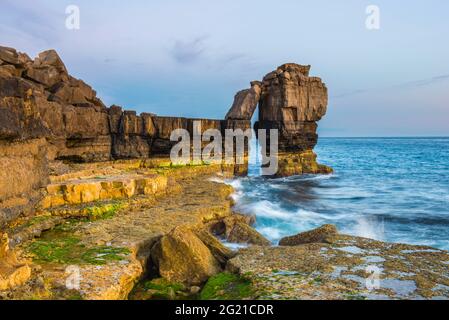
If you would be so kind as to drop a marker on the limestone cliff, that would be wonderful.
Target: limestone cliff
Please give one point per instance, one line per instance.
(46, 114)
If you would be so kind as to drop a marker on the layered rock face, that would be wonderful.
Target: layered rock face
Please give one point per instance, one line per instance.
(39, 99)
(45, 114)
(292, 102)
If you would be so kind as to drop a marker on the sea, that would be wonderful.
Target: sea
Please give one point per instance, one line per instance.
(389, 189)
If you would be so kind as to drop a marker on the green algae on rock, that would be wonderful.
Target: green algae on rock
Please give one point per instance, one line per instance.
(70, 250)
(227, 286)
(159, 289)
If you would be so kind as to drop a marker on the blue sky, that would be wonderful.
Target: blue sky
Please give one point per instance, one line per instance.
(188, 58)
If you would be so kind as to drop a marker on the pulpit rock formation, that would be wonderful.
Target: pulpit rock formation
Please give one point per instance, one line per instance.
(291, 102)
(47, 115)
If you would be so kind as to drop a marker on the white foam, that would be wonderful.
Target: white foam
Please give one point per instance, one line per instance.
(271, 233)
(369, 228)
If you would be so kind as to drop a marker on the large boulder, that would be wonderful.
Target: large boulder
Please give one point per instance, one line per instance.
(218, 250)
(324, 234)
(245, 103)
(47, 69)
(12, 272)
(180, 256)
(9, 55)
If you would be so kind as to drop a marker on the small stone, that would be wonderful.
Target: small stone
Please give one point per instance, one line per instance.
(194, 289)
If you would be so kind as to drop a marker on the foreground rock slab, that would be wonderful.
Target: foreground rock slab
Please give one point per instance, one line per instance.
(349, 268)
(109, 255)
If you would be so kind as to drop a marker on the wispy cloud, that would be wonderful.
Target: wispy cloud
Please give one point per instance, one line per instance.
(404, 85)
(33, 22)
(187, 52)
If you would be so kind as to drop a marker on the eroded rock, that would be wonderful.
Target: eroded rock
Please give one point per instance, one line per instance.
(12, 272)
(245, 103)
(218, 250)
(238, 230)
(324, 234)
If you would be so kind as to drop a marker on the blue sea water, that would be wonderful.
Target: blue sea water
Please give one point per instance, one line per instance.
(390, 189)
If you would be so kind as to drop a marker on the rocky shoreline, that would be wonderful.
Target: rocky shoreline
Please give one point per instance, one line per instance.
(92, 207)
(163, 246)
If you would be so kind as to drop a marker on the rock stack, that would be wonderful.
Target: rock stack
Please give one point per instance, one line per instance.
(292, 102)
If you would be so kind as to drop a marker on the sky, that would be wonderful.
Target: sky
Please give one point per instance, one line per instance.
(189, 58)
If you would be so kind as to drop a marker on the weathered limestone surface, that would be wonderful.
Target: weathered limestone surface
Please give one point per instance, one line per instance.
(132, 234)
(124, 186)
(347, 268)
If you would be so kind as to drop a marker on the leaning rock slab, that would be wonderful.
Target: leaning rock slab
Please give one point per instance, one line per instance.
(245, 103)
(9, 55)
(218, 250)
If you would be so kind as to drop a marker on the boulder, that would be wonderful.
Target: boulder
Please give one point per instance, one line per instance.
(45, 75)
(180, 256)
(324, 234)
(9, 55)
(12, 272)
(8, 70)
(237, 230)
(245, 103)
(47, 69)
(50, 58)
